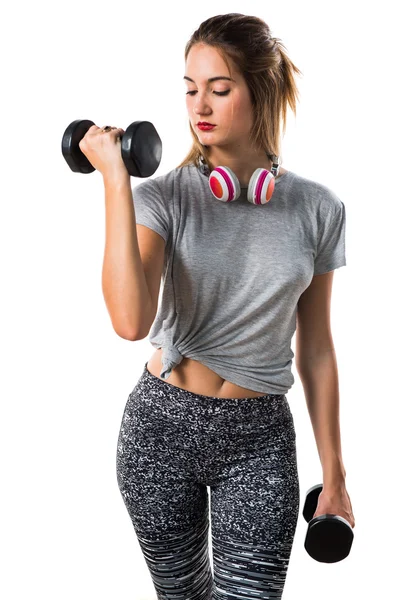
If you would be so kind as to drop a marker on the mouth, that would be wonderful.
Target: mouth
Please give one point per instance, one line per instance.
(204, 125)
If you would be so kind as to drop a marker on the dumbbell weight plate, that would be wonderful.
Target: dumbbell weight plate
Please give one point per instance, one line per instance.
(74, 156)
(329, 537)
(141, 149)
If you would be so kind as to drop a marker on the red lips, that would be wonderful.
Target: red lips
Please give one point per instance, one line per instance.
(205, 124)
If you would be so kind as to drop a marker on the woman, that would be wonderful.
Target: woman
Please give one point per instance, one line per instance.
(240, 271)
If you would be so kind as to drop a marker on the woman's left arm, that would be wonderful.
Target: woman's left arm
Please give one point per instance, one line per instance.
(317, 368)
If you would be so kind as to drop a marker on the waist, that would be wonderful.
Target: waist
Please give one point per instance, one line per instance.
(193, 376)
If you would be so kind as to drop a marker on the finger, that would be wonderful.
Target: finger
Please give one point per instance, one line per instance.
(117, 133)
(114, 132)
(92, 129)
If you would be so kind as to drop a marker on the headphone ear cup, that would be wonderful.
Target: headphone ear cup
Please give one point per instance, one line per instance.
(224, 184)
(261, 187)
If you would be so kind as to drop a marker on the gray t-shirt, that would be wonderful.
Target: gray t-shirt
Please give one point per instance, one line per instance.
(234, 271)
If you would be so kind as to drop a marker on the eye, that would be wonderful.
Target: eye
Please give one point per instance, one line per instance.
(218, 93)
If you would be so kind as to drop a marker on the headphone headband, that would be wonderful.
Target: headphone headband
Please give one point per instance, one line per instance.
(274, 169)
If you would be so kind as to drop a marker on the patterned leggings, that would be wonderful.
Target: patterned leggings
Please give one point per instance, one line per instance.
(173, 445)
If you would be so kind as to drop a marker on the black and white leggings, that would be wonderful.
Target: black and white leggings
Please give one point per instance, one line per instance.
(173, 445)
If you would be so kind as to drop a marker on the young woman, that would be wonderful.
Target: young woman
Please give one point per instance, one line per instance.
(246, 250)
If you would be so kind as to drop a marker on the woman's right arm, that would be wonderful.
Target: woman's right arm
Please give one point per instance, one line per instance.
(124, 285)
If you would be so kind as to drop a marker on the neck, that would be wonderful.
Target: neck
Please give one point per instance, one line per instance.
(242, 165)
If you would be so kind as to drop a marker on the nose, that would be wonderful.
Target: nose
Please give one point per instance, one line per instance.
(201, 113)
(200, 106)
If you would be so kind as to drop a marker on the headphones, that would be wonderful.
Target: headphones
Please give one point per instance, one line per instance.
(225, 186)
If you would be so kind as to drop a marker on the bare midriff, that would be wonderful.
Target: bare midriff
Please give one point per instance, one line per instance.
(193, 376)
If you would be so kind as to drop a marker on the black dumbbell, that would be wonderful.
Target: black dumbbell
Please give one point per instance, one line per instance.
(329, 537)
(141, 148)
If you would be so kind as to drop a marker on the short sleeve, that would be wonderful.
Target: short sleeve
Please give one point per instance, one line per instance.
(331, 251)
(150, 207)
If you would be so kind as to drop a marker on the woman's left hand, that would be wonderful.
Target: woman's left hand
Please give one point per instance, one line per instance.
(335, 502)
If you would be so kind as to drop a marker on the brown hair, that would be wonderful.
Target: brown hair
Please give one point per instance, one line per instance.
(266, 68)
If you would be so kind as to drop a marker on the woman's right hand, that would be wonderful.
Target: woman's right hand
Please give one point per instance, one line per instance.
(103, 150)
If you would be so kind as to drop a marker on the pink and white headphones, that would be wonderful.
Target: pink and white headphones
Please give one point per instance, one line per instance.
(225, 186)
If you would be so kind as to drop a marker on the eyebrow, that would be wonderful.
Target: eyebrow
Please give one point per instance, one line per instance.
(211, 79)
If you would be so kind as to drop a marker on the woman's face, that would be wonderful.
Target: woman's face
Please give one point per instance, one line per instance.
(232, 112)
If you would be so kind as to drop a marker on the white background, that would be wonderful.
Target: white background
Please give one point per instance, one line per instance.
(66, 375)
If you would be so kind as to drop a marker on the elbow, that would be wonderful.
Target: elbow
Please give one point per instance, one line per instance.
(127, 331)
(125, 335)
(128, 334)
